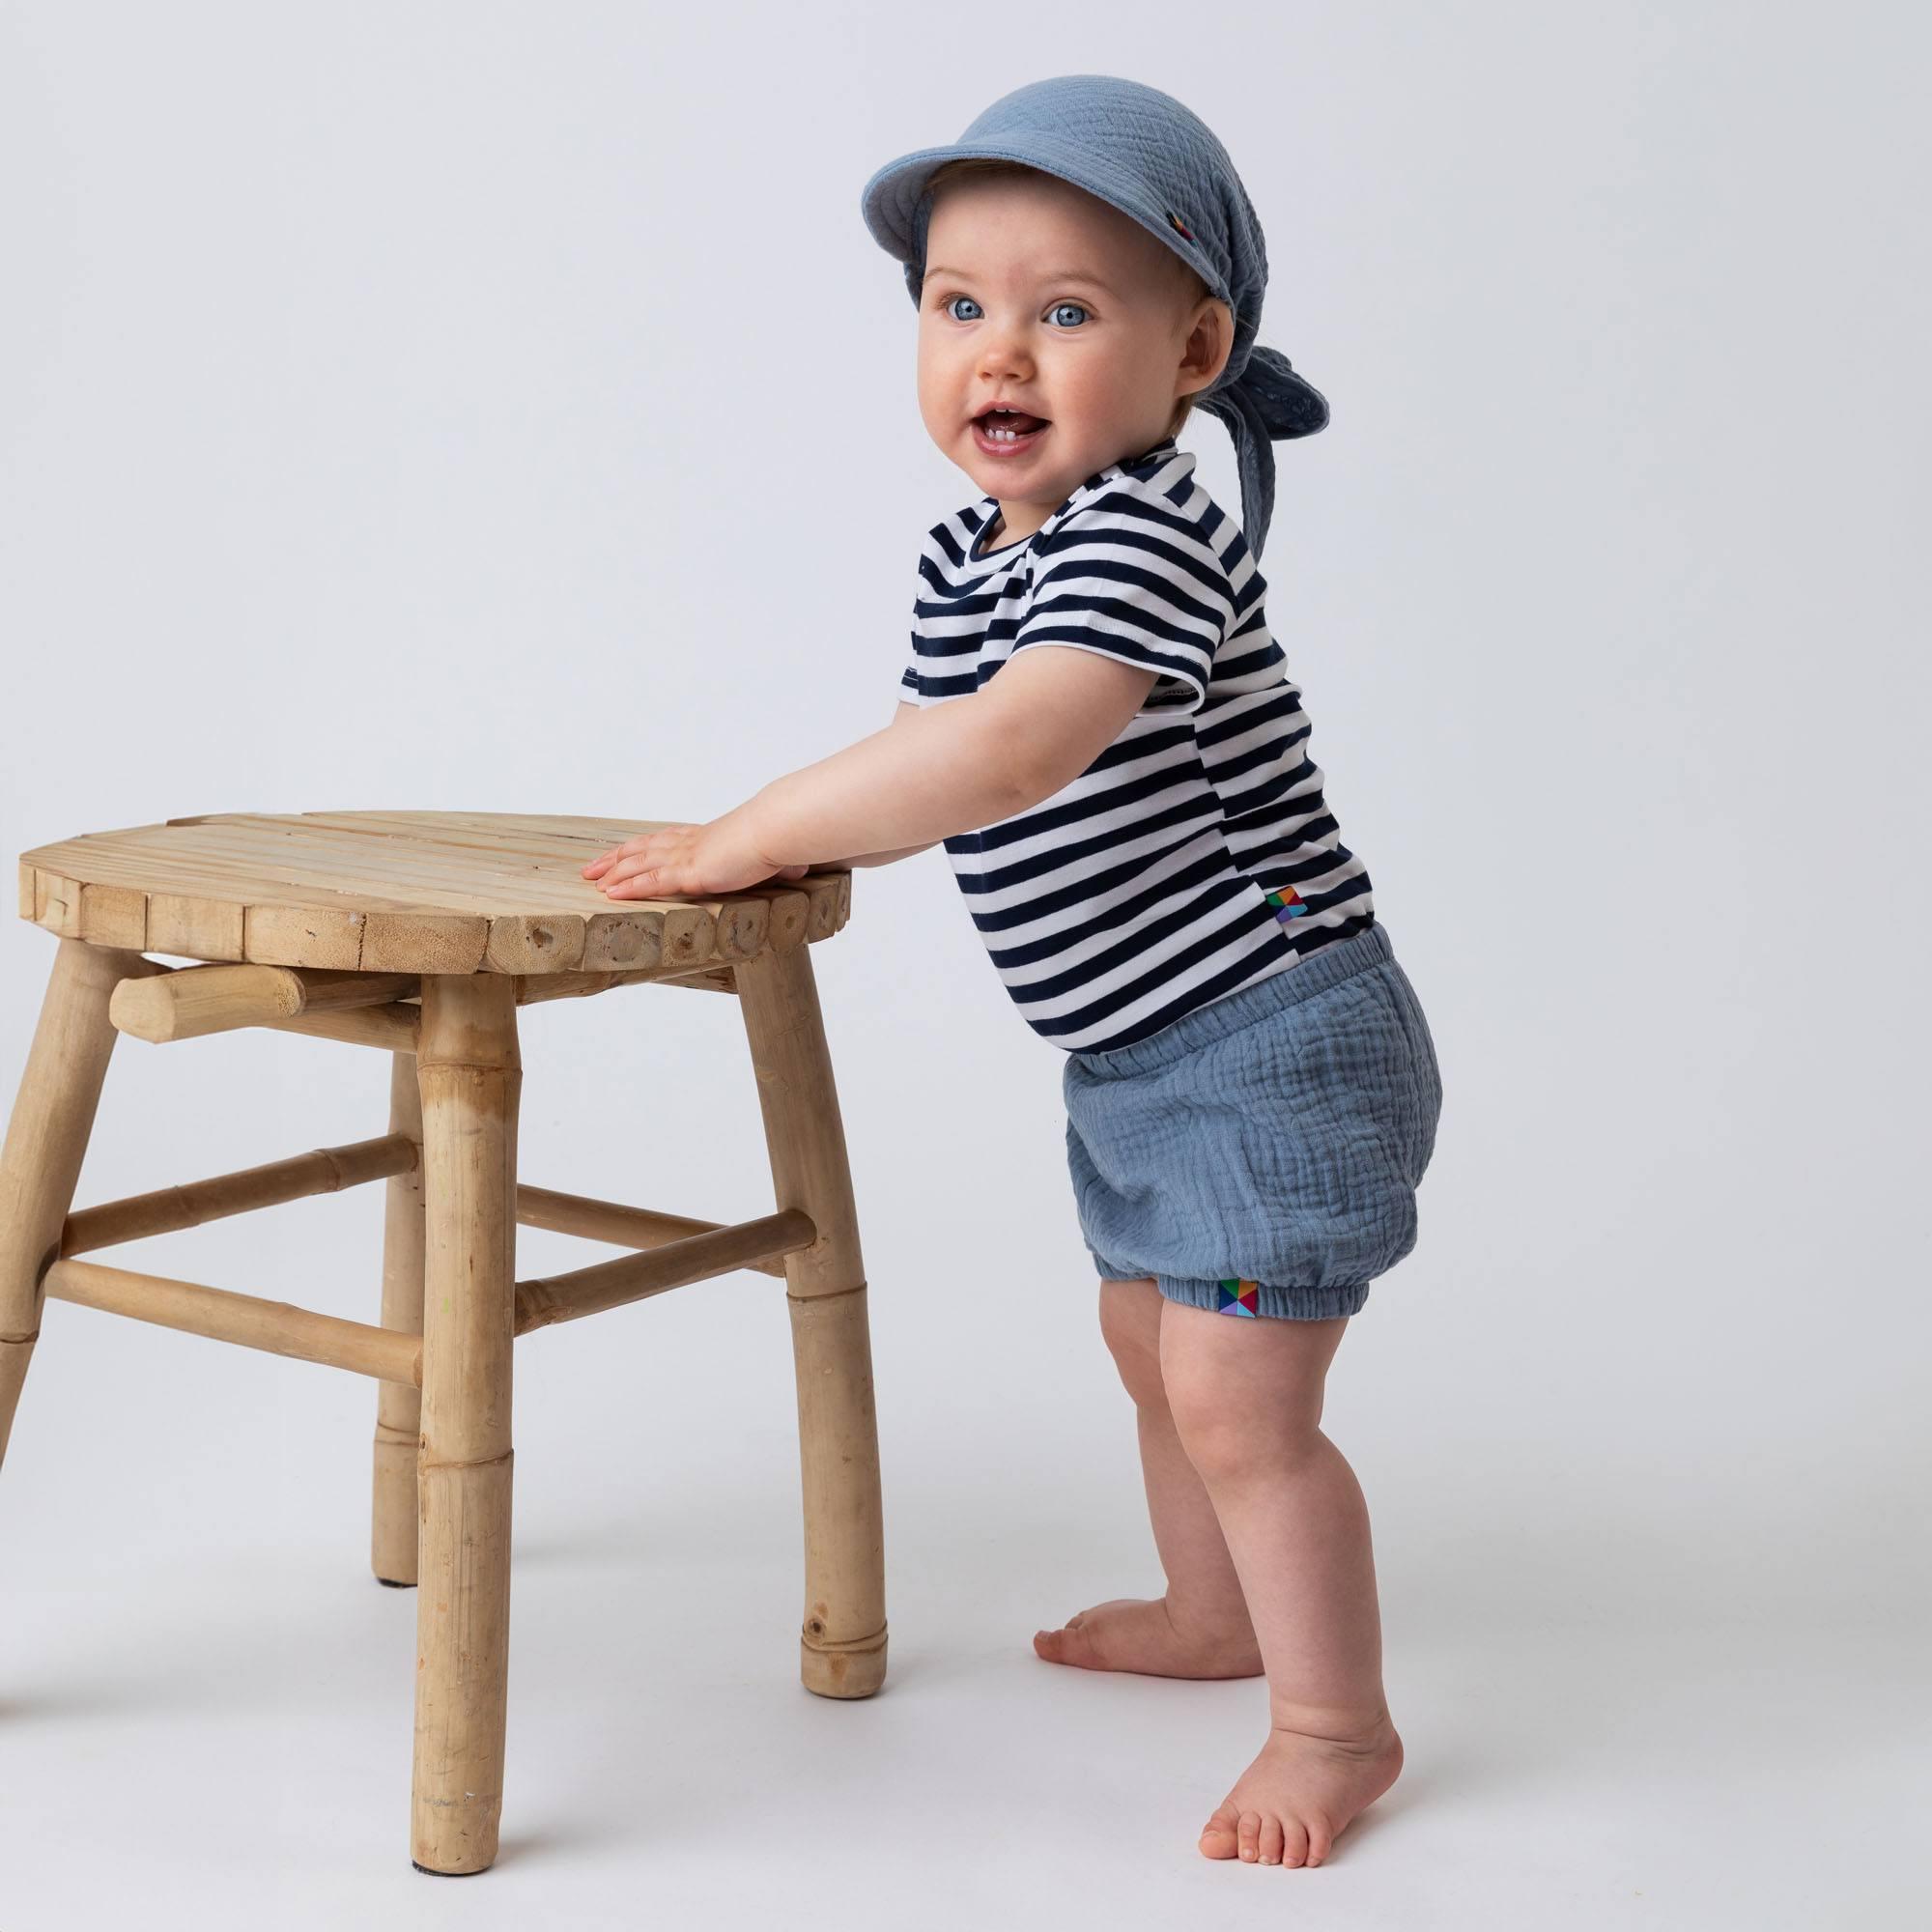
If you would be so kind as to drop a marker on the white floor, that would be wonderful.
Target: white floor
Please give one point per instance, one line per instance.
(205, 1699)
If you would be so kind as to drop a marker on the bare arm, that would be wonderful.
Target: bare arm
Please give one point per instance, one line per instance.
(903, 709)
(931, 772)
(945, 768)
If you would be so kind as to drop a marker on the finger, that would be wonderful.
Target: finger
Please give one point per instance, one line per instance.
(602, 860)
(646, 884)
(621, 861)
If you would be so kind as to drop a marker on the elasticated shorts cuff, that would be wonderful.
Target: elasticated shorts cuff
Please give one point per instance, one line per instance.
(1257, 1298)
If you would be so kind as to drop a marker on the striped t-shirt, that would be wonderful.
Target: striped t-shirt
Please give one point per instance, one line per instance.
(1195, 855)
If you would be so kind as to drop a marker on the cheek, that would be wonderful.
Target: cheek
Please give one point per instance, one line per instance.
(937, 383)
(1088, 383)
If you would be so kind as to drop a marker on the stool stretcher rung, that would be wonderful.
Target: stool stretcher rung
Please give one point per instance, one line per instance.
(534, 987)
(191, 1002)
(391, 1354)
(324, 1170)
(623, 1227)
(169, 1003)
(393, 1027)
(589, 1290)
(388, 1354)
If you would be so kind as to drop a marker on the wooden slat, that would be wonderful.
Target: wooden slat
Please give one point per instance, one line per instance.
(269, 869)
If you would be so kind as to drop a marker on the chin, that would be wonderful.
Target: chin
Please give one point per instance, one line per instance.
(1022, 482)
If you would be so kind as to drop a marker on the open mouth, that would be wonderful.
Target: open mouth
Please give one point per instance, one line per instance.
(1004, 432)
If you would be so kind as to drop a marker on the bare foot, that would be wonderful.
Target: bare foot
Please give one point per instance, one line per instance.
(1297, 1799)
(1141, 1634)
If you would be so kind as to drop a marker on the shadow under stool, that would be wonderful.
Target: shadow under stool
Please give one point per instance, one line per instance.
(422, 933)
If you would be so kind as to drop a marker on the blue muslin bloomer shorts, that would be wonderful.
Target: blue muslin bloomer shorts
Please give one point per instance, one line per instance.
(1260, 1156)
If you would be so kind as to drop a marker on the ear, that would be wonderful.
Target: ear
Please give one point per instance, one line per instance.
(1210, 341)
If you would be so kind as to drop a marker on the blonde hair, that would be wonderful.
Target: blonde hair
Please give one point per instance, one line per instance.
(1188, 286)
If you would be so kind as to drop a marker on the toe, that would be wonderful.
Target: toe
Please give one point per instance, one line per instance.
(1218, 1836)
(1272, 1841)
(1294, 1842)
(1249, 1835)
(1320, 1843)
(1070, 1645)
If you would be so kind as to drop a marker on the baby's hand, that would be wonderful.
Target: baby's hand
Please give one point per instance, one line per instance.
(684, 862)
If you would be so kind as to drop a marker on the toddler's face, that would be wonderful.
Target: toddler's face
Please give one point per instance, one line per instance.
(1041, 296)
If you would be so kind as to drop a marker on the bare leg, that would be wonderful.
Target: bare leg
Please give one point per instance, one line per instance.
(1200, 1628)
(1247, 1397)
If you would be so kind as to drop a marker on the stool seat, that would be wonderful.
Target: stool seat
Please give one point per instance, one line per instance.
(402, 891)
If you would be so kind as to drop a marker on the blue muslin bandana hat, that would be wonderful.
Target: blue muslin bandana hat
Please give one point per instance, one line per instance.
(1140, 151)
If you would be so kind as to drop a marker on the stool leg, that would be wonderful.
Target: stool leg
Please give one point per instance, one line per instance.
(470, 1074)
(393, 1516)
(842, 1647)
(47, 1142)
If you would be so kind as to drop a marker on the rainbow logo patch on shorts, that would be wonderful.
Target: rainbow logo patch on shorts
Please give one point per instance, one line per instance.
(1237, 1297)
(1288, 903)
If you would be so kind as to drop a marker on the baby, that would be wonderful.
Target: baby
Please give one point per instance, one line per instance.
(1141, 834)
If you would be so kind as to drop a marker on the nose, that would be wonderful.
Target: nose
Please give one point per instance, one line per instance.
(1004, 355)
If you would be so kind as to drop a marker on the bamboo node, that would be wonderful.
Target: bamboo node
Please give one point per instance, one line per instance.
(830, 1295)
(430, 1462)
(841, 1646)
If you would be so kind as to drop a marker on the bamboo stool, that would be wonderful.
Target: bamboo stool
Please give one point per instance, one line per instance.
(421, 933)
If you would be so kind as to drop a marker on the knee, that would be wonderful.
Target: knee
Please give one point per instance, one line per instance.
(1130, 1325)
(1212, 1438)
(1229, 1430)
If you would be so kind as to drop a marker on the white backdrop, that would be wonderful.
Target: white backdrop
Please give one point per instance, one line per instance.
(425, 405)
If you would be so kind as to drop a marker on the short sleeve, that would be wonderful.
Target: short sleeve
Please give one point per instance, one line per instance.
(1128, 577)
(909, 676)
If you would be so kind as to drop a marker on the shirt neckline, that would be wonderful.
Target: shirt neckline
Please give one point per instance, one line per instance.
(989, 506)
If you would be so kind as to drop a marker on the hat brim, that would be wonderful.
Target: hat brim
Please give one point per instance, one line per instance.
(890, 200)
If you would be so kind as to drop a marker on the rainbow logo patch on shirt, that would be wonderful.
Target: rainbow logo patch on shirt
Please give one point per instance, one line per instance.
(1239, 1297)
(1179, 226)
(1288, 903)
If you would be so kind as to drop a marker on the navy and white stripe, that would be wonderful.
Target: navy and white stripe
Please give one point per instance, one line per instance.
(1140, 890)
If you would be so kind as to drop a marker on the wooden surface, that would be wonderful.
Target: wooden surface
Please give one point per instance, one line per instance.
(469, 1076)
(46, 1141)
(402, 891)
(842, 1641)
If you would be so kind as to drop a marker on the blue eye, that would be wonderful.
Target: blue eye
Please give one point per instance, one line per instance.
(946, 307)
